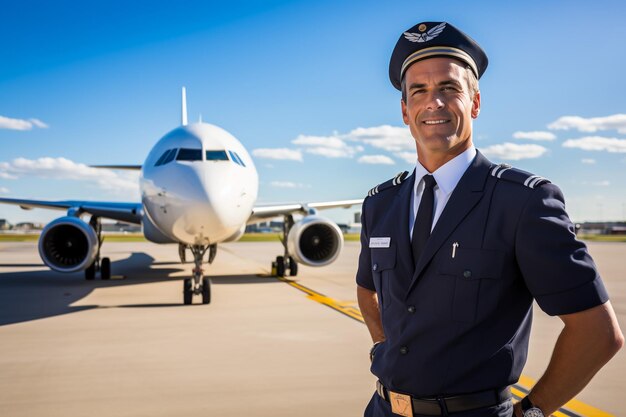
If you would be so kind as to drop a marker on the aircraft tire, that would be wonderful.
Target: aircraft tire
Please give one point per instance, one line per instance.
(90, 272)
(206, 290)
(280, 266)
(293, 267)
(187, 292)
(105, 268)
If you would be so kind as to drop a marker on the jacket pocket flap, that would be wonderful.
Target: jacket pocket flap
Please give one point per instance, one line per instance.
(383, 258)
(474, 264)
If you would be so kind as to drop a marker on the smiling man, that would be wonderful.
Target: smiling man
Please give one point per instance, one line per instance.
(453, 256)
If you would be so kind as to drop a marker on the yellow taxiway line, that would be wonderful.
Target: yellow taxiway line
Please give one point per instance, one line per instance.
(574, 408)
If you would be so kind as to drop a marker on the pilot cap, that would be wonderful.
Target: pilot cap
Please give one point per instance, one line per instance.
(430, 40)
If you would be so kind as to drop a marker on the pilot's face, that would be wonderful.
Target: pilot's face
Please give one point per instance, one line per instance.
(439, 109)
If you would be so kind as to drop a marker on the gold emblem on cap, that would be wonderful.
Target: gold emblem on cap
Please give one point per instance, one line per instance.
(421, 27)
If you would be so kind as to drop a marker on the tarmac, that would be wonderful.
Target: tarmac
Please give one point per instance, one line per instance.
(263, 347)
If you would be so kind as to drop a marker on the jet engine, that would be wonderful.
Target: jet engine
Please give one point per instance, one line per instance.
(315, 241)
(68, 244)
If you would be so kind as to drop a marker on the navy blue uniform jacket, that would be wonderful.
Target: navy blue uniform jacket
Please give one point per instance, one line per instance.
(461, 324)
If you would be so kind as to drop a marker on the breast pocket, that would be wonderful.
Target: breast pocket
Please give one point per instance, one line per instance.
(471, 269)
(383, 261)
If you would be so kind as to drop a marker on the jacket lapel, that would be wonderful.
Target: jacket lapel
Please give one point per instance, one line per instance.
(465, 196)
(398, 221)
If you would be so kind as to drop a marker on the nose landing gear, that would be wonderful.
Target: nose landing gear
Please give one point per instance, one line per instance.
(198, 284)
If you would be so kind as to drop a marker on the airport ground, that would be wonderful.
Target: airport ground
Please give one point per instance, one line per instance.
(263, 347)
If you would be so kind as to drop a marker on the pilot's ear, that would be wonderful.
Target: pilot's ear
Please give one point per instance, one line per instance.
(476, 105)
(405, 116)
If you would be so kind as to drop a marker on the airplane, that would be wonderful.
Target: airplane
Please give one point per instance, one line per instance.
(198, 187)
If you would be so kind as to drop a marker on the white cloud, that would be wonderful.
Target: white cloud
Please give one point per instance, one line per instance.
(604, 183)
(535, 135)
(20, 124)
(597, 143)
(376, 159)
(408, 157)
(278, 153)
(335, 153)
(287, 184)
(6, 175)
(593, 124)
(65, 169)
(328, 146)
(389, 138)
(4, 190)
(38, 123)
(514, 151)
(588, 161)
(325, 141)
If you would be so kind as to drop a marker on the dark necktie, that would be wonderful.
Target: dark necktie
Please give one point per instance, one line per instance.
(424, 218)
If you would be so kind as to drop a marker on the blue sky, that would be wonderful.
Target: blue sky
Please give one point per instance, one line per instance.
(99, 83)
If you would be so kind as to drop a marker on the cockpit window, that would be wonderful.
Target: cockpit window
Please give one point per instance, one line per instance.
(240, 160)
(216, 156)
(162, 158)
(185, 154)
(167, 156)
(236, 158)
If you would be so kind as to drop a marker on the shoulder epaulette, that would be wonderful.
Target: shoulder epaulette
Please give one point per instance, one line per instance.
(397, 180)
(508, 173)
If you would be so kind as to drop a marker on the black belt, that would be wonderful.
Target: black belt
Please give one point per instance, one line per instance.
(435, 406)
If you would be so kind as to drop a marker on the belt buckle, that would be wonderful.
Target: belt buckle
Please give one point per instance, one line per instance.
(401, 404)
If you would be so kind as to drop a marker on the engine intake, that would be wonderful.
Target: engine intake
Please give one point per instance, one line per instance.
(68, 244)
(315, 241)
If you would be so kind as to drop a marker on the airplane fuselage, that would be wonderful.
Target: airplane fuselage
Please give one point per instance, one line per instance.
(199, 185)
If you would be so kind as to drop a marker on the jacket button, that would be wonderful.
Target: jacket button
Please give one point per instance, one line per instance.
(375, 267)
(404, 350)
(411, 309)
(467, 273)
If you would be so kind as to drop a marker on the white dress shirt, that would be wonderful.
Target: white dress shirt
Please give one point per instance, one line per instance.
(447, 177)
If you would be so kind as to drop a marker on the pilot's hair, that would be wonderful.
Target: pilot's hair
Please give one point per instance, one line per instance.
(472, 83)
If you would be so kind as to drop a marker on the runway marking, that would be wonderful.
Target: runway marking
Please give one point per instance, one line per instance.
(347, 308)
(573, 408)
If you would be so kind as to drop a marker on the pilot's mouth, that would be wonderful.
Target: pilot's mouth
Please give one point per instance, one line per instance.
(436, 122)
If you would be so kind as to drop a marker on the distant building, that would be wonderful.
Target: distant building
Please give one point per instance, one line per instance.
(265, 227)
(601, 228)
(277, 227)
(121, 227)
(5, 225)
(28, 226)
(357, 217)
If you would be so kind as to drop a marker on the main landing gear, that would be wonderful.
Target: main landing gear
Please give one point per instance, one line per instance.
(198, 284)
(99, 264)
(285, 262)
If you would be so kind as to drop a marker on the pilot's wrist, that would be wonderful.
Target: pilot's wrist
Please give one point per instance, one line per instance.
(529, 408)
(373, 349)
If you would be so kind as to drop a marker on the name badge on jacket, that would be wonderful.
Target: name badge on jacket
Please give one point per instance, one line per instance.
(380, 242)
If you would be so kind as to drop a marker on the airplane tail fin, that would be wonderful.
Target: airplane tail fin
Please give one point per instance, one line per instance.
(184, 108)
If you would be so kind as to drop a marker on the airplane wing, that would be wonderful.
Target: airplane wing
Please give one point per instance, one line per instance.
(262, 213)
(122, 167)
(126, 212)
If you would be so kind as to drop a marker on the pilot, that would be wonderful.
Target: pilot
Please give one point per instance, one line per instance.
(453, 256)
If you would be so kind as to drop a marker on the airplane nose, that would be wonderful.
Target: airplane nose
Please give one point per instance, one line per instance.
(222, 196)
